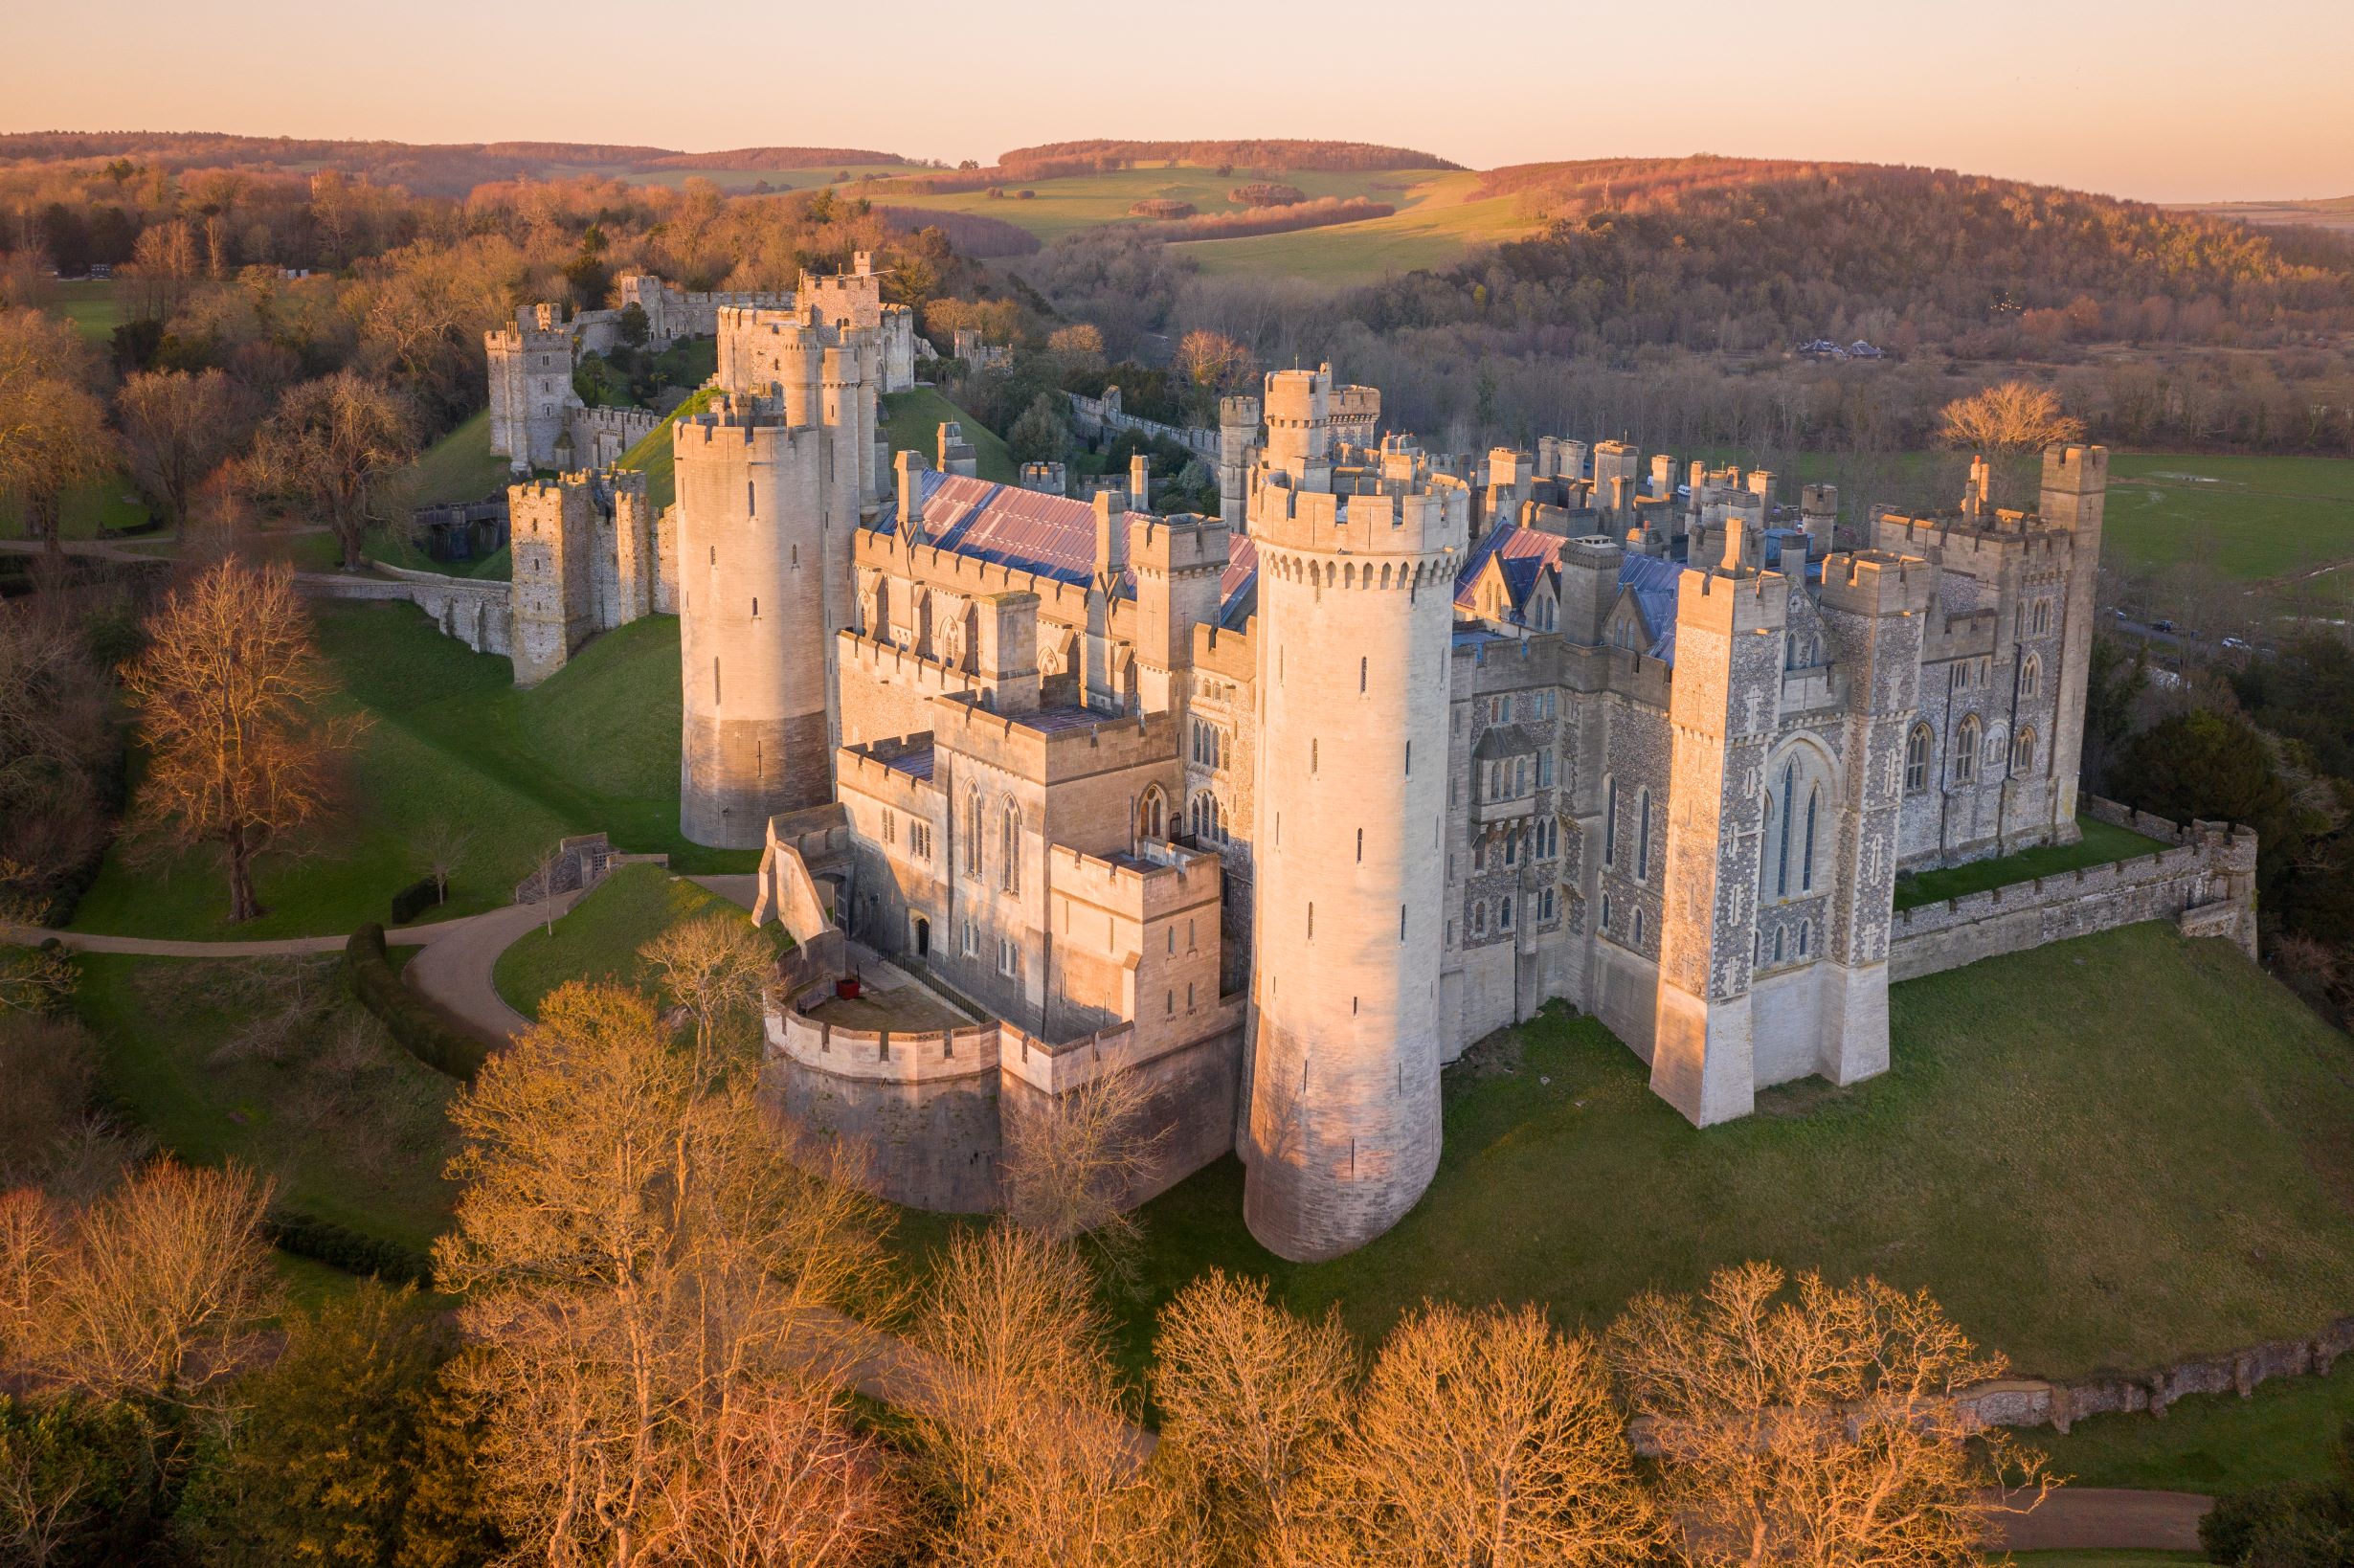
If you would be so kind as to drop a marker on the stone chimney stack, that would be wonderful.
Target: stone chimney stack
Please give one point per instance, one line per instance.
(1140, 482)
(1110, 533)
(908, 469)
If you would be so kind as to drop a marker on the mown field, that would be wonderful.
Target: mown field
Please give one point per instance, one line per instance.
(1436, 222)
(2103, 1153)
(2243, 518)
(449, 740)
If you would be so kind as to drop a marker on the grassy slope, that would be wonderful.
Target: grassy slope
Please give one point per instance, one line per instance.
(913, 418)
(2103, 842)
(452, 739)
(2105, 1152)
(1433, 228)
(358, 1139)
(2247, 517)
(600, 937)
(656, 455)
(1063, 206)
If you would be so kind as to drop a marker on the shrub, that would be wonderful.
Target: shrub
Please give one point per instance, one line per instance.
(2275, 1516)
(415, 900)
(1265, 193)
(339, 1246)
(417, 1027)
(1161, 207)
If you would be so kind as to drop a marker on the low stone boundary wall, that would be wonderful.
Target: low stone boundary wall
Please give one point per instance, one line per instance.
(477, 614)
(1097, 416)
(2029, 1401)
(2206, 882)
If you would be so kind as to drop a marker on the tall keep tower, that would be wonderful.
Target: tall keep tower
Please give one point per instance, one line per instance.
(1356, 610)
(753, 514)
(1721, 709)
(2075, 492)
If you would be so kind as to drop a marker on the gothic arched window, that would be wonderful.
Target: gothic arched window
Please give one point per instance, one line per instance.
(2031, 677)
(2023, 752)
(1916, 748)
(1966, 740)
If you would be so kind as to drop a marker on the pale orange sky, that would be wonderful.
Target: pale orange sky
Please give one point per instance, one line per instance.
(2164, 100)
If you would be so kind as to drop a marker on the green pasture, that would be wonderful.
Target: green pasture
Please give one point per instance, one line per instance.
(2107, 1152)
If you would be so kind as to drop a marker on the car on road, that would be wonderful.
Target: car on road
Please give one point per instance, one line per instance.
(2162, 626)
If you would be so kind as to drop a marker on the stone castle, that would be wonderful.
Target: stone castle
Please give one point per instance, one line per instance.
(589, 553)
(538, 423)
(1278, 810)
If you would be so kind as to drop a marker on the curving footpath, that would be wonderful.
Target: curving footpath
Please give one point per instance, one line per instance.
(453, 970)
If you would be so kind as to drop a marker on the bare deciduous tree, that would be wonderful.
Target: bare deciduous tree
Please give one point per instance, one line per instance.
(333, 448)
(1020, 1424)
(177, 429)
(1069, 1172)
(141, 1292)
(638, 1255)
(715, 968)
(1253, 1399)
(2007, 420)
(1819, 1429)
(1480, 1438)
(781, 1480)
(229, 693)
(53, 436)
(441, 850)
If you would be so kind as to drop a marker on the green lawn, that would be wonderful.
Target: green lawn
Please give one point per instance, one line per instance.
(94, 305)
(2106, 1152)
(600, 938)
(2102, 844)
(451, 739)
(912, 419)
(349, 1127)
(2244, 518)
(88, 510)
(2213, 1442)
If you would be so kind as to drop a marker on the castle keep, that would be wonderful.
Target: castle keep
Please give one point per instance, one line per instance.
(1282, 808)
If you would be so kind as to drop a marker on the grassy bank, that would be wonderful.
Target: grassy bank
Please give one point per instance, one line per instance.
(2106, 1152)
(599, 938)
(270, 1064)
(911, 420)
(2283, 1431)
(450, 739)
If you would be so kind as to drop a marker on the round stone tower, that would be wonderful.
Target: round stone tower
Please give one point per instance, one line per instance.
(1356, 610)
(752, 510)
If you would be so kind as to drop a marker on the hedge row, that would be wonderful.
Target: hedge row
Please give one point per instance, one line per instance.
(415, 900)
(417, 1027)
(338, 1246)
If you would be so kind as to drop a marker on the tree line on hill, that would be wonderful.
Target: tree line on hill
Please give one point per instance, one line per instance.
(450, 169)
(1664, 298)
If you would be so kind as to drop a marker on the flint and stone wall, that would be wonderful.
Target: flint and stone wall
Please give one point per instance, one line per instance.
(2206, 881)
(929, 1112)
